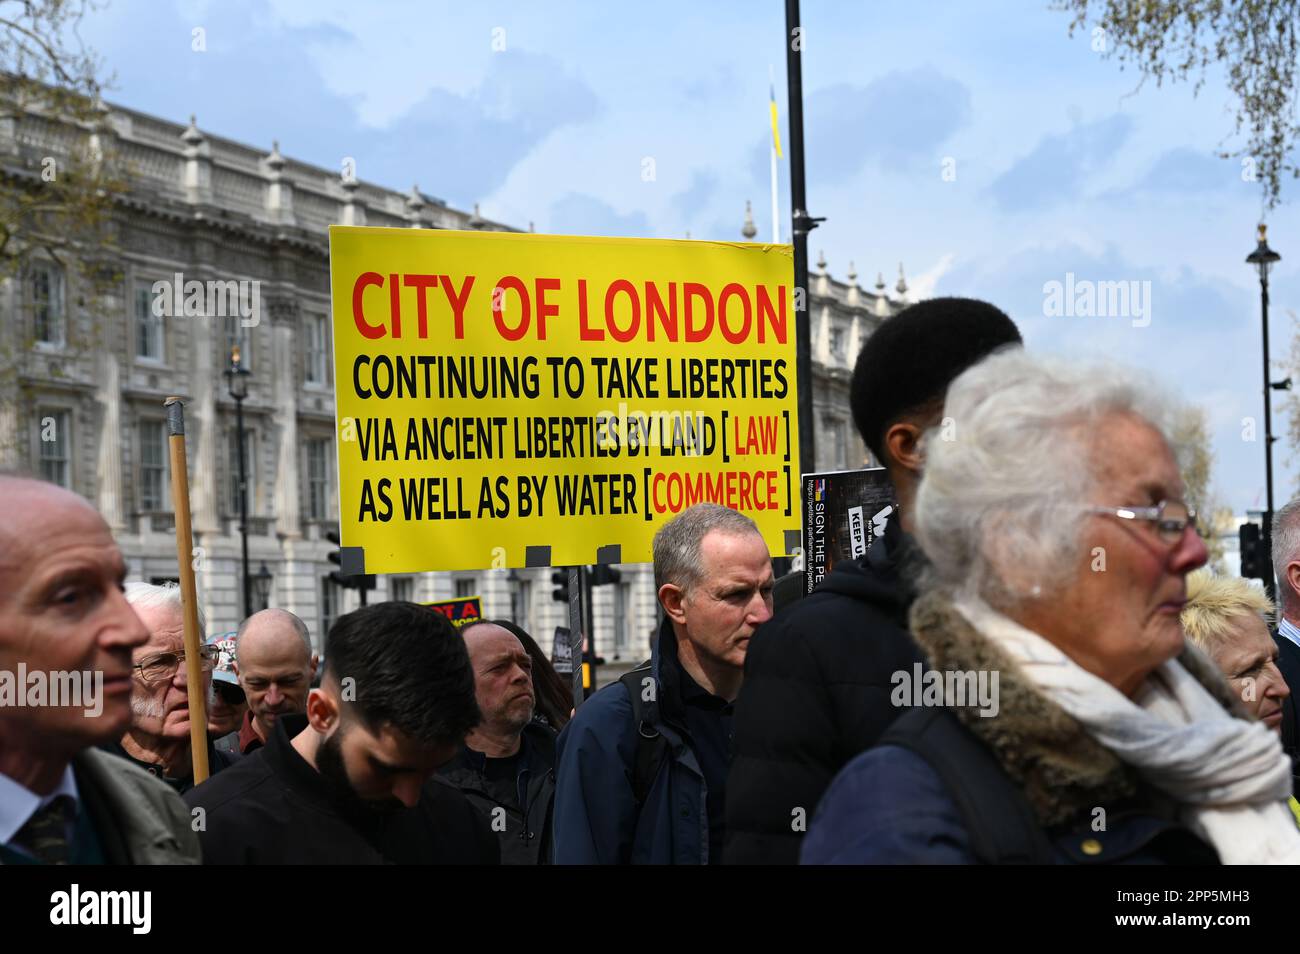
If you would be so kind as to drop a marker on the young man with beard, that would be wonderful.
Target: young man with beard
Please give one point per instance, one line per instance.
(506, 768)
(351, 781)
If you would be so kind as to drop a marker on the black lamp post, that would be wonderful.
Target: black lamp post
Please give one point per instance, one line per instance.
(262, 584)
(1263, 258)
(513, 579)
(237, 382)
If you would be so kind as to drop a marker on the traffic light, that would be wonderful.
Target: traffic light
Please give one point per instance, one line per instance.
(347, 581)
(561, 580)
(1254, 561)
(603, 573)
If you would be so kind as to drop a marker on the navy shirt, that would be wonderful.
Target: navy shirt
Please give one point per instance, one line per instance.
(708, 726)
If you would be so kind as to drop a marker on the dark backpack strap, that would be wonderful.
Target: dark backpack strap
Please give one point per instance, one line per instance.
(994, 811)
(651, 746)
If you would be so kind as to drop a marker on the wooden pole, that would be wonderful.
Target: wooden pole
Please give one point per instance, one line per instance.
(198, 704)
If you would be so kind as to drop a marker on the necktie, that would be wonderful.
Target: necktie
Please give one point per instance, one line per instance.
(46, 833)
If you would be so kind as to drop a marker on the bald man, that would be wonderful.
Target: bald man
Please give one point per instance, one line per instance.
(506, 767)
(275, 664)
(65, 621)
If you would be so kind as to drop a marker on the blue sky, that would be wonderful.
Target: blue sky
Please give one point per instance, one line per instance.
(546, 112)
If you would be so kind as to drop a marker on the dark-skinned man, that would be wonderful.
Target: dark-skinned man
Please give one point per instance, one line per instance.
(818, 677)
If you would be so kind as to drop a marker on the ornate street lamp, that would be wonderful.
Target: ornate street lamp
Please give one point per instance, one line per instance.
(262, 586)
(237, 383)
(1263, 258)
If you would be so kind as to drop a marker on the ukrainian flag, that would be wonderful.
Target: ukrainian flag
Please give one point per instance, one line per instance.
(776, 132)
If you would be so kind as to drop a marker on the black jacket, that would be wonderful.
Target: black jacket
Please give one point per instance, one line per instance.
(816, 693)
(1019, 782)
(218, 759)
(524, 830)
(271, 807)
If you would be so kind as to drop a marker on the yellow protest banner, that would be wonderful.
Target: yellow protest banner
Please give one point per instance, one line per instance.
(512, 400)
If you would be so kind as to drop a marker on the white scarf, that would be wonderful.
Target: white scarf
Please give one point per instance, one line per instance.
(1230, 777)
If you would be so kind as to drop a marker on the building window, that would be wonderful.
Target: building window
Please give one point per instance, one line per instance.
(319, 370)
(837, 342)
(237, 334)
(318, 479)
(465, 586)
(402, 588)
(148, 326)
(45, 285)
(154, 492)
(56, 441)
(250, 467)
(329, 605)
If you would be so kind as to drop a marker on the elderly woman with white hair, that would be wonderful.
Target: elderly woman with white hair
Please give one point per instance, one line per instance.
(1063, 718)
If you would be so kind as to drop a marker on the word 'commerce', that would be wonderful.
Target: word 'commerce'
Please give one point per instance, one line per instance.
(575, 495)
(734, 309)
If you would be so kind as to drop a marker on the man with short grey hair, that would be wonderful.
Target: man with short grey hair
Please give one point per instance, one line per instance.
(276, 664)
(642, 767)
(1286, 564)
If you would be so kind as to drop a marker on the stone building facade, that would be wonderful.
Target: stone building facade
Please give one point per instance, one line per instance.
(84, 404)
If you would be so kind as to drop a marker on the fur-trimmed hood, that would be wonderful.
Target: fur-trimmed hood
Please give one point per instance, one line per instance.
(1061, 769)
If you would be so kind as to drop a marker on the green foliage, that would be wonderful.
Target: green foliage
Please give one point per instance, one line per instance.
(1253, 41)
(57, 198)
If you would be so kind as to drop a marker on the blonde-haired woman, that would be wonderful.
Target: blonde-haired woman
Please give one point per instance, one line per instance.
(1228, 620)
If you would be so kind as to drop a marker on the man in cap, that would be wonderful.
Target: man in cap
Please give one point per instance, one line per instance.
(227, 704)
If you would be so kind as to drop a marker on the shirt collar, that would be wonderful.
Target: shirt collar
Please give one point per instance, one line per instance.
(18, 803)
(249, 740)
(1286, 628)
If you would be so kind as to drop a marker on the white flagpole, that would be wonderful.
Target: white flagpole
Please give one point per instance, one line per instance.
(776, 216)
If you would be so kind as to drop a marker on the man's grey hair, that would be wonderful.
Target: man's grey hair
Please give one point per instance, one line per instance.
(1286, 548)
(168, 595)
(1007, 478)
(298, 625)
(677, 544)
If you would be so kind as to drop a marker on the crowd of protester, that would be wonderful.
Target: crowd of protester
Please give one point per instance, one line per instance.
(1132, 706)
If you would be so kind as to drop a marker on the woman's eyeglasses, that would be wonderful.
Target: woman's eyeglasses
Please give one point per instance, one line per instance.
(1171, 517)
